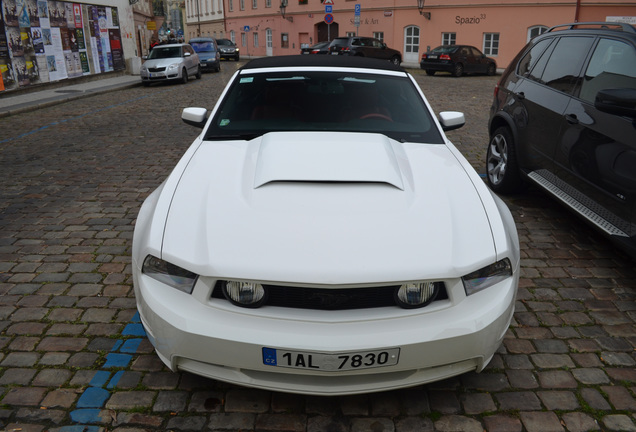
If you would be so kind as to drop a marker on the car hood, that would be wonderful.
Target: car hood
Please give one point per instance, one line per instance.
(331, 208)
(207, 55)
(164, 62)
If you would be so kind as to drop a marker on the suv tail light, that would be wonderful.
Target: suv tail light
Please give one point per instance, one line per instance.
(496, 90)
(444, 57)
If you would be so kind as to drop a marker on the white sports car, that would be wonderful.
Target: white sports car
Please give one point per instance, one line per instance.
(323, 236)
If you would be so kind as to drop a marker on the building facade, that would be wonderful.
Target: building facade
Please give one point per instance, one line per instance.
(498, 28)
(204, 18)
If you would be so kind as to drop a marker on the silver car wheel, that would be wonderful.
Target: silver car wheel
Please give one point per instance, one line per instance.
(497, 159)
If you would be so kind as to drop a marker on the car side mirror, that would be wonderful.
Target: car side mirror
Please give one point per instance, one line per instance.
(196, 117)
(451, 120)
(619, 101)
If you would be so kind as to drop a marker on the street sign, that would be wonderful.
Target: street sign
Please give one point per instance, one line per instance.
(328, 2)
(328, 18)
(246, 28)
(328, 9)
(356, 21)
(357, 10)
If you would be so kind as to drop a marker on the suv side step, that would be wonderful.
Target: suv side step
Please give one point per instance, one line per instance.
(543, 179)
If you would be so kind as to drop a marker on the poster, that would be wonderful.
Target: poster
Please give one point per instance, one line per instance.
(51, 40)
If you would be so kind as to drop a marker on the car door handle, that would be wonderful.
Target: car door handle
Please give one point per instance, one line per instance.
(520, 95)
(571, 118)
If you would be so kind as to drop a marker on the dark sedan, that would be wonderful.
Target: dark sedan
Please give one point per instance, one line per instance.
(319, 48)
(458, 60)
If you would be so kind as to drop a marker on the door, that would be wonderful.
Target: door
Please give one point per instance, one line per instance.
(597, 152)
(542, 97)
(411, 44)
(269, 44)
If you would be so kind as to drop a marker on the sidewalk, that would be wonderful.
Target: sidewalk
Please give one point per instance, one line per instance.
(25, 101)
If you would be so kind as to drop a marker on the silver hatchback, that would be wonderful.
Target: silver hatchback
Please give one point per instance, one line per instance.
(170, 62)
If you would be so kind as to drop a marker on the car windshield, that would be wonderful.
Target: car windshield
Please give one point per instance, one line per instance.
(160, 52)
(258, 103)
(446, 49)
(201, 47)
(226, 42)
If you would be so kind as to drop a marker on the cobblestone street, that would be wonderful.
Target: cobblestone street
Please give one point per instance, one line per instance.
(74, 356)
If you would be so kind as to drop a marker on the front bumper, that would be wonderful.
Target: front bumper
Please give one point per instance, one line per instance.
(160, 76)
(212, 338)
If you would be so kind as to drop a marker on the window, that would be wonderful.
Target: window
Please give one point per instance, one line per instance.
(284, 40)
(302, 2)
(449, 38)
(255, 39)
(613, 65)
(243, 39)
(268, 3)
(379, 36)
(491, 44)
(350, 34)
(536, 31)
(233, 36)
(242, 4)
(254, 4)
(530, 59)
(563, 69)
(230, 5)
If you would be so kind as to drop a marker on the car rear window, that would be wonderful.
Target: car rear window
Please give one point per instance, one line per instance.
(258, 103)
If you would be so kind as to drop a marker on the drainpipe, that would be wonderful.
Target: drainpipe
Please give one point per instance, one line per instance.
(577, 10)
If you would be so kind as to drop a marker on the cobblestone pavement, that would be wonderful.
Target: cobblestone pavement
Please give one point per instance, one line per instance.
(74, 357)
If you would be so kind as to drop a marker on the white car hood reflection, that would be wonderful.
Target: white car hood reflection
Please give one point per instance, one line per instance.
(321, 208)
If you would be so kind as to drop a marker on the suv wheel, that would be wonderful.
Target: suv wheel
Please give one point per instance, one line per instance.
(396, 60)
(458, 70)
(501, 162)
(492, 69)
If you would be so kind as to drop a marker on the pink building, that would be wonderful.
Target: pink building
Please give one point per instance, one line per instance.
(497, 27)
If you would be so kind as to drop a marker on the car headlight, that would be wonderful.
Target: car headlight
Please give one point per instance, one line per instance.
(487, 276)
(245, 294)
(169, 274)
(173, 66)
(416, 294)
(144, 68)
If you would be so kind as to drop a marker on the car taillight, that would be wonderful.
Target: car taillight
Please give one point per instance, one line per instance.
(424, 56)
(444, 57)
(496, 90)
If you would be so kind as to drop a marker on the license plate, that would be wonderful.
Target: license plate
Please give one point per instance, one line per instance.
(334, 53)
(330, 362)
(432, 57)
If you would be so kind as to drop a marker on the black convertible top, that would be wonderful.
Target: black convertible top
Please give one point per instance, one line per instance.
(322, 60)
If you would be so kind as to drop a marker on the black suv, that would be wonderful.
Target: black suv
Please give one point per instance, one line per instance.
(364, 47)
(564, 118)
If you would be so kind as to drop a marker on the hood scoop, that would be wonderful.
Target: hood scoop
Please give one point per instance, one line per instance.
(326, 157)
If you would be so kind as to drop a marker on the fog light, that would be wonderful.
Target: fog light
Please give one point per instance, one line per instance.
(416, 294)
(245, 294)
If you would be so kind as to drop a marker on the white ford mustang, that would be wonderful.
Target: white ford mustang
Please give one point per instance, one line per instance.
(323, 236)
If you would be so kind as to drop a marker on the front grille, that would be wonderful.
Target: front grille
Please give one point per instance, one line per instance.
(159, 69)
(330, 299)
